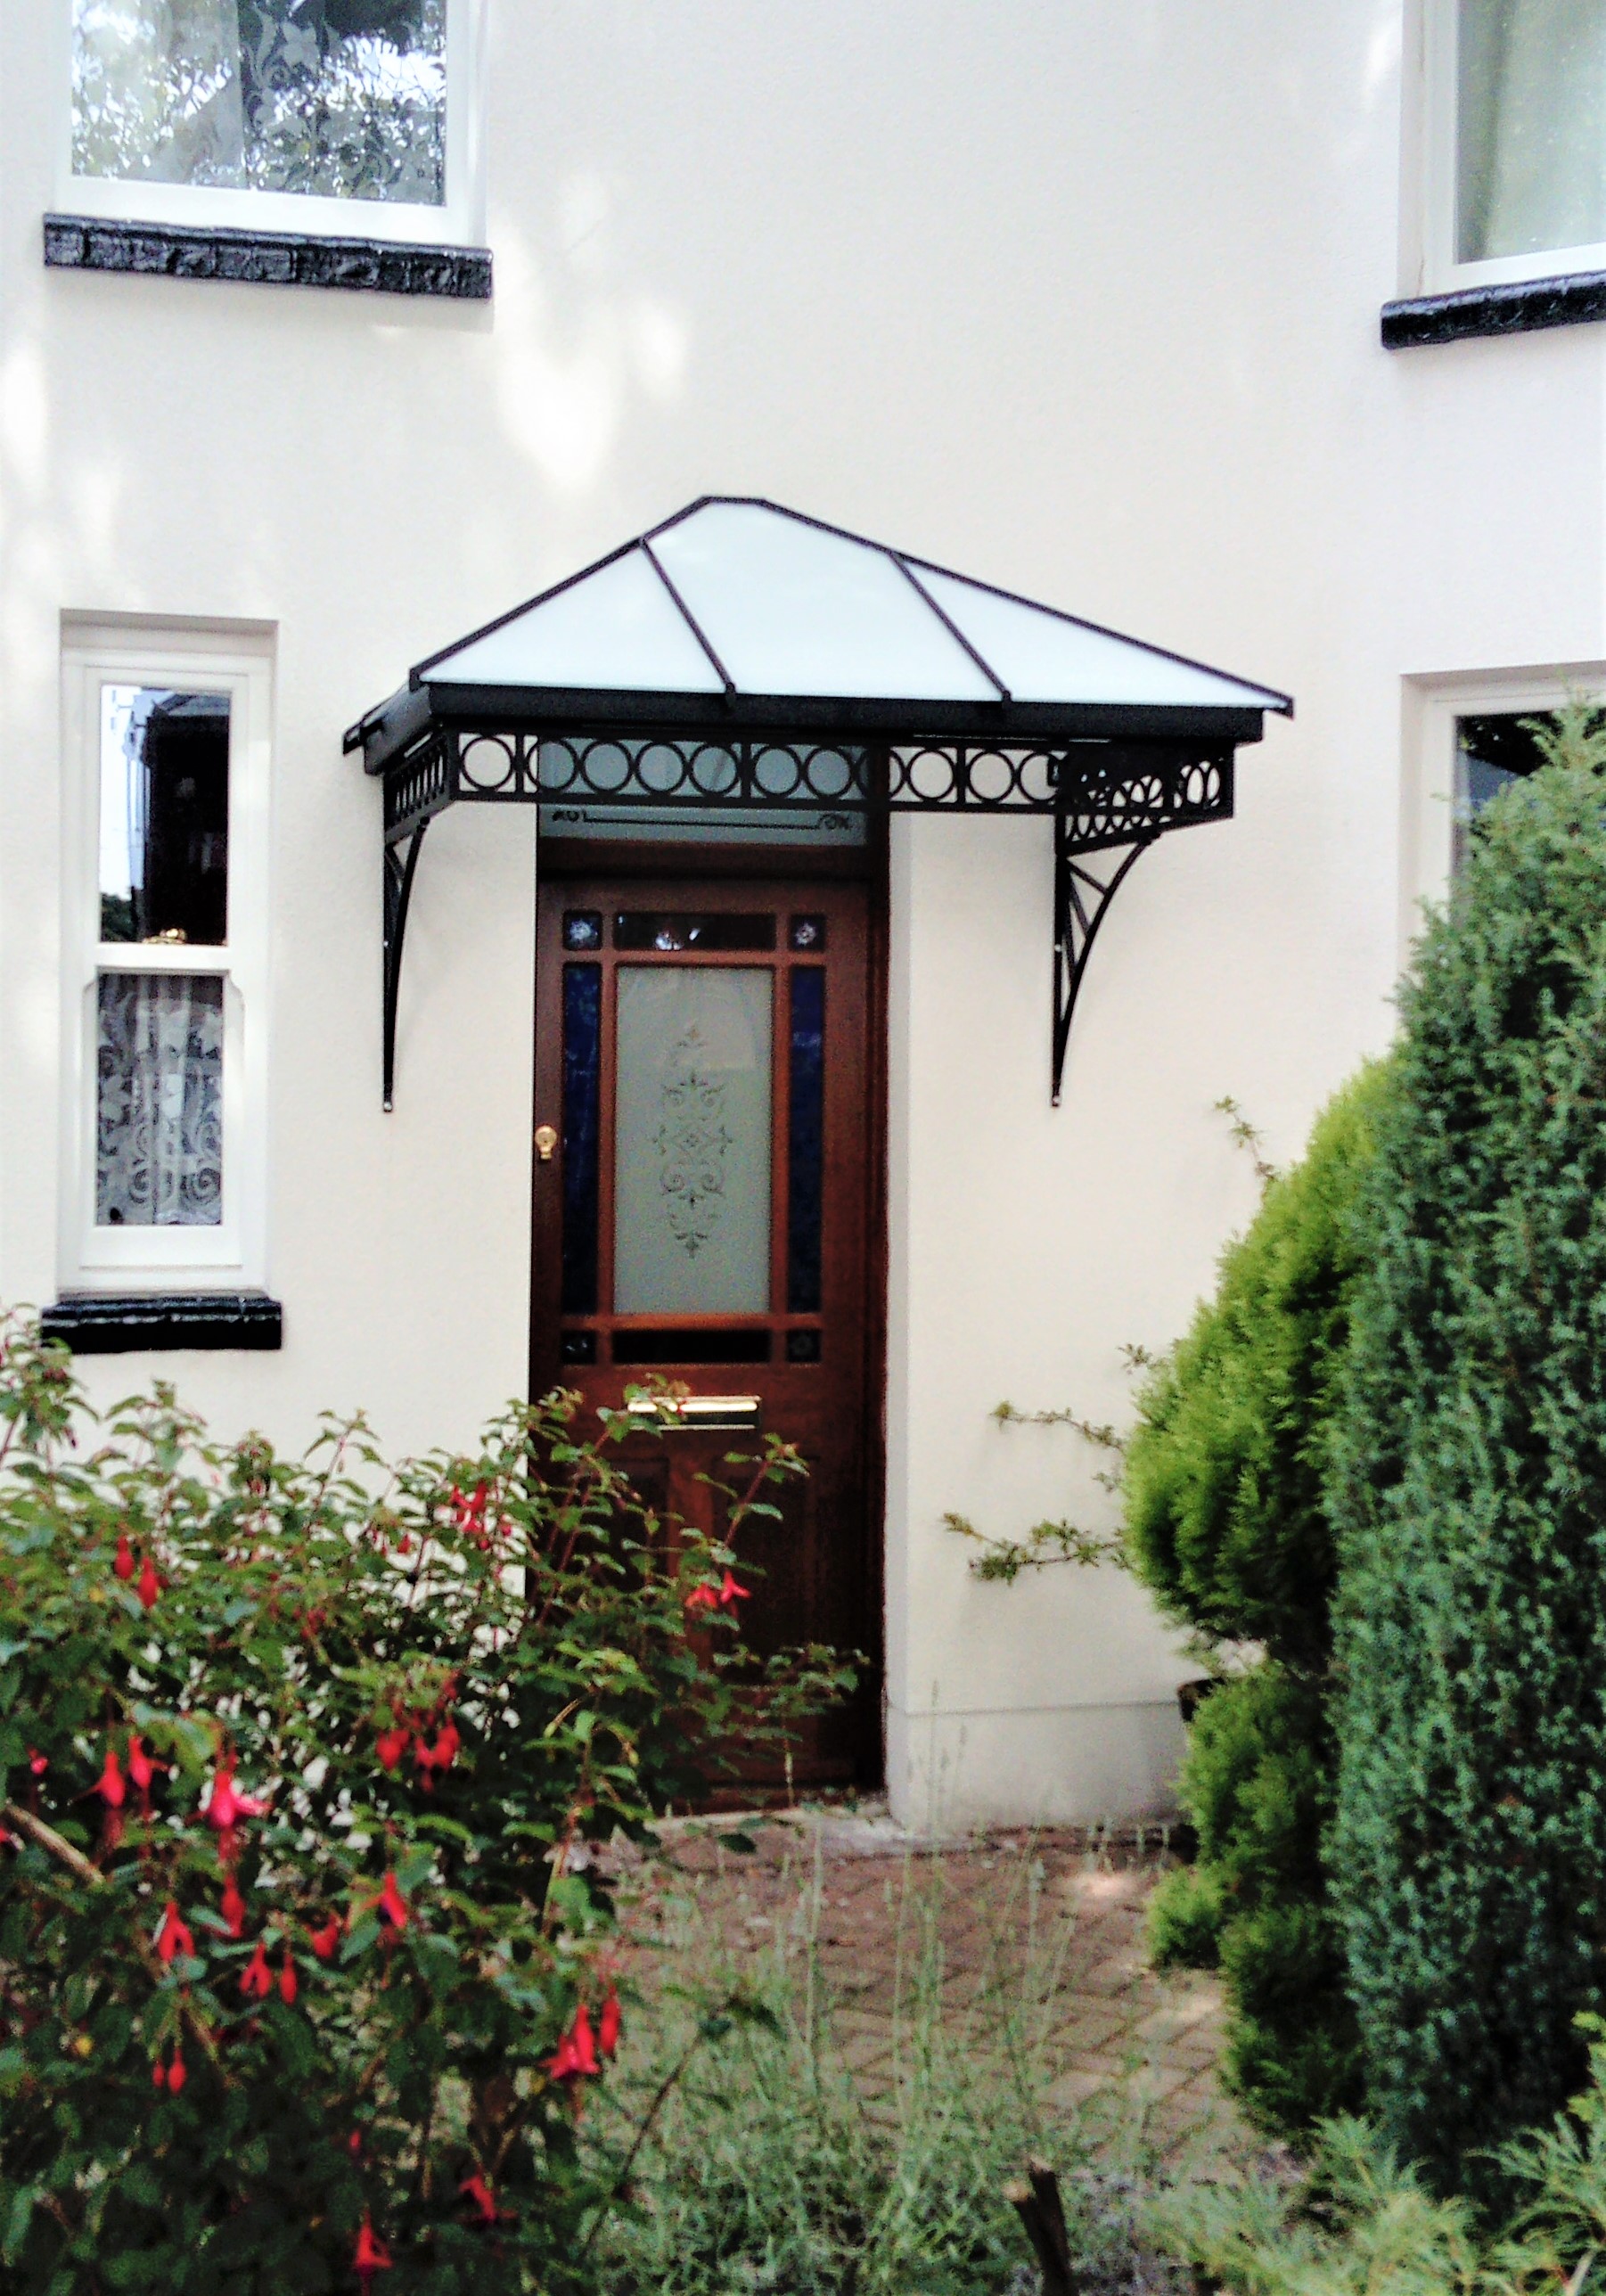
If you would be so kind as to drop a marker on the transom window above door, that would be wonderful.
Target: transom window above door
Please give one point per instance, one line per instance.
(335, 116)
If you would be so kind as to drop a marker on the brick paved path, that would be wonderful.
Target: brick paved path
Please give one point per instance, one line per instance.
(1054, 1918)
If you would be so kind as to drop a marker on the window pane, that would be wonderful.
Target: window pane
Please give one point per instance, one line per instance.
(1491, 752)
(805, 1141)
(158, 1105)
(345, 99)
(164, 816)
(691, 1188)
(1530, 127)
(582, 1056)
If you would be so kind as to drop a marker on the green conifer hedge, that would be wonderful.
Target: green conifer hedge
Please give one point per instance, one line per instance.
(1227, 1522)
(1469, 1852)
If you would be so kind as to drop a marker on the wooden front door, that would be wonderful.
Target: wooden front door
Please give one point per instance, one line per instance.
(706, 1056)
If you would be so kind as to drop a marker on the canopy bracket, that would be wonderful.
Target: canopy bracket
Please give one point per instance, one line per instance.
(1081, 904)
(400, 866)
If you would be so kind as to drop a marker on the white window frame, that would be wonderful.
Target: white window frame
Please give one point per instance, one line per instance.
(1427, 812)
(232, 1256)
(458, 222)
(1438, 271)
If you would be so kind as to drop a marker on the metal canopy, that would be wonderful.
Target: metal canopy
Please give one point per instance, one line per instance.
(742, 655)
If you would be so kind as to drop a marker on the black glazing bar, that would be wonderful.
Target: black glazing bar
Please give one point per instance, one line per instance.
(582, 1130)
(805, 1141)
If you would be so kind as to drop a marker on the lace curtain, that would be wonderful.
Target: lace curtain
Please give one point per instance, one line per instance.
(1531, 126)
(159, 1114)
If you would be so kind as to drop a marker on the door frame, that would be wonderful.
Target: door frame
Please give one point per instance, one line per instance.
(558, 859)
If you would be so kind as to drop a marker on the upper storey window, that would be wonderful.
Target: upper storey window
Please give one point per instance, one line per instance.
(343, 116)
(1517, 139)
(1530, 157)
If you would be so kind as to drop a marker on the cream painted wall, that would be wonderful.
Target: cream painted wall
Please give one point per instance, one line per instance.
(1078, 297)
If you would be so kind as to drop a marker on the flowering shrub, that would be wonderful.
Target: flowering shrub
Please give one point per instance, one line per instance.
(304, 1965)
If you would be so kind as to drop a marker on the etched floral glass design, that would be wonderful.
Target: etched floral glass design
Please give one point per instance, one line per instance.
(692, 1147)
(158, 1101)
(337, 99)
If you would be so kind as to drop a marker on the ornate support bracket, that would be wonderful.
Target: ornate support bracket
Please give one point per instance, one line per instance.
(1081, 901)
(400, 864)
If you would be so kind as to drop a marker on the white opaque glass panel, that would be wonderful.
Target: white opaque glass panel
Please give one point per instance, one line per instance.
(616, 628)
(264, 95)
(1041, 657)
(1530, 127)
(791, 609)
(692, 1140)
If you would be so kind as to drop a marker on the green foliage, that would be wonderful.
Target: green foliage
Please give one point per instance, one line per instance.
(1184, 1919)
(1226, 1522)
(1225, 1512)
(1470, 1849)
(427, 1688)
(1360, 2224)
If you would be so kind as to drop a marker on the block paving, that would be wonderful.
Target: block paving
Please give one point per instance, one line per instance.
(1061, 1910)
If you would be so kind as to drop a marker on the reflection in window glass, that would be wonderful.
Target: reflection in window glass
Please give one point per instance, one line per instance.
(159, 1101)
(164, 816)
(1491, 753)
(1530, 127)
(341, 99)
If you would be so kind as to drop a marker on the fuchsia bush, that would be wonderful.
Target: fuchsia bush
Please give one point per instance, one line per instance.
(299, 1989)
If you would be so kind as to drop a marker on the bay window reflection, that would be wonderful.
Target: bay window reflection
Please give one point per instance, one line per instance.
(1531, 145)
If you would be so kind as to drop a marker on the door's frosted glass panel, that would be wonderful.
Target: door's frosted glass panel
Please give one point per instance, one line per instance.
(692, 1144)
(806, 1140)
(158, 1101)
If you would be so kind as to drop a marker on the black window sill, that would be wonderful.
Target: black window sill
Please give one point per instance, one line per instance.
(115, 1324)
(1518, 308)
(266, 258)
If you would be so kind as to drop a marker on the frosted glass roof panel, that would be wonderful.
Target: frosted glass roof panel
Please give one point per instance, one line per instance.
(617, 628)
(792, 608)
(1046, 657)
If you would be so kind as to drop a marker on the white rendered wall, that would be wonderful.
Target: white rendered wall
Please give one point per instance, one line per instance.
(1080, 299)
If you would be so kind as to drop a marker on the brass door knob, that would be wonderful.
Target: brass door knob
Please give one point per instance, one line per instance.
(546, 1140)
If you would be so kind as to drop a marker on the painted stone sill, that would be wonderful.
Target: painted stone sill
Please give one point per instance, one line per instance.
(115, 1324)
(265, 258)
(1518, 308)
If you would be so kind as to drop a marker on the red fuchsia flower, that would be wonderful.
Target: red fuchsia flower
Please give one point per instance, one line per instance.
(37, 1763)
(177, 2075)
(110, 1785)
(392, 1906)
(287, 1980)
(158, 2074)
(143, 1769)
(234, 1908)
(438, 1757)
(224, 1805)
(174, 1937)
(475, 2189)
(577, 2051)
(730, 1593)
(391, 1744)
(703, 1598)
(123, 1565)
(149, 1585)
(312, 1624)
(469, 1514)
(371, 2255)
(610, 2023)
(325, 1943)
(256, 1980)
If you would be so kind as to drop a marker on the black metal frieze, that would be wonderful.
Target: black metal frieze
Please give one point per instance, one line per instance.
(1107, 798)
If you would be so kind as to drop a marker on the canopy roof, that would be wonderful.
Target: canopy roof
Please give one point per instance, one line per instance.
(736, 612)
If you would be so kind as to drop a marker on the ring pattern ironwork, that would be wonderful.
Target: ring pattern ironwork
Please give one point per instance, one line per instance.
(1109, 797)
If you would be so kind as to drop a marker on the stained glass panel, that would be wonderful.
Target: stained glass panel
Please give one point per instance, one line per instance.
(582, 1084)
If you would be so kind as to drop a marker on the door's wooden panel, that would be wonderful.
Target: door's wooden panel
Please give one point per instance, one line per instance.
(810, 1353)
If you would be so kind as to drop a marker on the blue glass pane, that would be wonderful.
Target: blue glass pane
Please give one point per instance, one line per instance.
(805, 1122)
(582, 1054)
